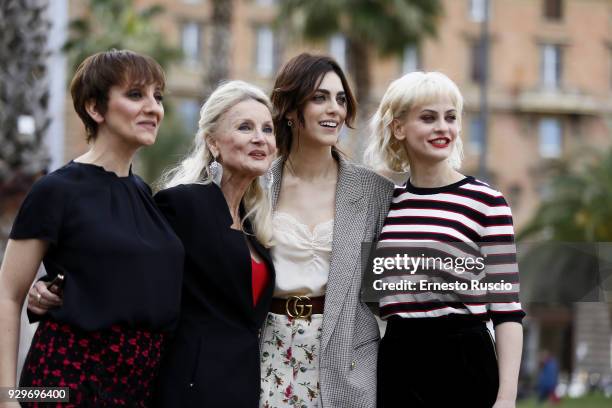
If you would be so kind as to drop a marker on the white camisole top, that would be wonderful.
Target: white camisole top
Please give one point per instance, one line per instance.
(301, 256)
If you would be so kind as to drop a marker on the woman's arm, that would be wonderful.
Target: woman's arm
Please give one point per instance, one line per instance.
(21, 262)
(509, 339)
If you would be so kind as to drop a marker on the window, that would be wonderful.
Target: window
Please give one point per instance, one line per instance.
(553, 9)
(191, 42)
(550, 73)
(410, 60)
(478, 10)
(189, 110)
(476, 65)
(265, 51)
(476, 138)
(550, 137)
(337, 48)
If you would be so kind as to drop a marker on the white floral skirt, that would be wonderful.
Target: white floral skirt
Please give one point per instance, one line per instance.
(290, 362)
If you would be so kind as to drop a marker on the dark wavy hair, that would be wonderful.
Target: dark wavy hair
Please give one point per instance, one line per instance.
(295, 84)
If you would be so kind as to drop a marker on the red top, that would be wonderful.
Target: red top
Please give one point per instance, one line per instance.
(260, 278)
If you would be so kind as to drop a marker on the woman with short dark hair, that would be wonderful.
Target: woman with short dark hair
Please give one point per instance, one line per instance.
(95, 222)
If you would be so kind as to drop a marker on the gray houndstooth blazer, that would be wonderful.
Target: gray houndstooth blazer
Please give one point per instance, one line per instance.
(349, 343)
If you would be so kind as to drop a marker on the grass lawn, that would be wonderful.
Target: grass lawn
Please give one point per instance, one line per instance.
(591, 401)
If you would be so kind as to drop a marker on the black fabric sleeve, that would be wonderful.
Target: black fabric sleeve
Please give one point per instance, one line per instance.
(40, 215)
(168, 202)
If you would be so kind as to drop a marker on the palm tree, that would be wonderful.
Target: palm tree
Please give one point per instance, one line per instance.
(386, 25)
(569, 265)
(578, 210)
(24, 95)
(579, 207)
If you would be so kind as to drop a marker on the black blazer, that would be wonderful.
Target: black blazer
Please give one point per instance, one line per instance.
(213, 359)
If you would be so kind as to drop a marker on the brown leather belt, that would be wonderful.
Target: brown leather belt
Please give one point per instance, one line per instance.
(298, 306)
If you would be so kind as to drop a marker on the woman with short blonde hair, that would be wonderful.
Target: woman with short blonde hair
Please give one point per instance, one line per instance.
(386, 153)
(437, 350)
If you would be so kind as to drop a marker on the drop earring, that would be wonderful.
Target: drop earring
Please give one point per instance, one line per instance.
(267, 180)
(216, 171)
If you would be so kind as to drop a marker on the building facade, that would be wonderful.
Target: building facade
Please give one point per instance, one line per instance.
(549, 82)
(549, 88)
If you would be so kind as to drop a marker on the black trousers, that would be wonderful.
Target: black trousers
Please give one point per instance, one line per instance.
(437, 362)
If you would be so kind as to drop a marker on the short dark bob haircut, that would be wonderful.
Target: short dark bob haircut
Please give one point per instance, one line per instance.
(99, 72)
(295, 84)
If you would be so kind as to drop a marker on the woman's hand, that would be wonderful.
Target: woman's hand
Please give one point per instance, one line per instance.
(41, 299)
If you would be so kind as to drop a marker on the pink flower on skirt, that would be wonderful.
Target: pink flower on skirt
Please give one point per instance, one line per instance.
(288, 391)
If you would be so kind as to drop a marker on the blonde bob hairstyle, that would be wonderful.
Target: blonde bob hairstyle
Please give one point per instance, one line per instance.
(384, 152)
(194, 167)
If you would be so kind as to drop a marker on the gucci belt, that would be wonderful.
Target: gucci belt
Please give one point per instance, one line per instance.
(298, 307)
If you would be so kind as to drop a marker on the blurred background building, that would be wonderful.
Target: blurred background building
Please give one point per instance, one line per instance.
(536, 76)
(549, 76)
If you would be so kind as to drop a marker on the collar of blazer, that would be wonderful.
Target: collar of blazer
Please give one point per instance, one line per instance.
(350, 222)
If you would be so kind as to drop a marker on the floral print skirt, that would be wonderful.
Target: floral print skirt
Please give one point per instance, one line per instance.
(290, 362)
(106, 368)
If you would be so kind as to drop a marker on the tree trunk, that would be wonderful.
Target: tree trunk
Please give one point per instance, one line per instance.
(24, 95)
(217, 65)
(359, 68)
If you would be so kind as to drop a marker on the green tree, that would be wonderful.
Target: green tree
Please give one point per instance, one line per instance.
(119, 24)
(567, 229)
(579, 205)
(385, 25)
(568, 265)
(24, 94)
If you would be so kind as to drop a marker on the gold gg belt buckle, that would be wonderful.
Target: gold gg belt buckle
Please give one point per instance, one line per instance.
(297, 308)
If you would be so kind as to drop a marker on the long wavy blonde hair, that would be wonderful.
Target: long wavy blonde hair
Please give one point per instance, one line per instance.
(384, 152)
(194, 167)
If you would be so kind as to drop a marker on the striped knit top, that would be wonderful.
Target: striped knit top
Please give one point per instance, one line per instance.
(468, 212)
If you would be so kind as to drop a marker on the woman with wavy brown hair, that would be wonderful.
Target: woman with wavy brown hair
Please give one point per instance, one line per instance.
(319, 342)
